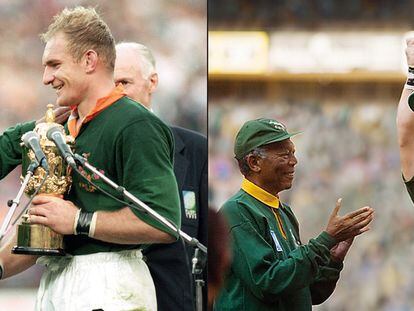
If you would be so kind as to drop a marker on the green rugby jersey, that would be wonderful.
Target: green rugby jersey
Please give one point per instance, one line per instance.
(133, 148)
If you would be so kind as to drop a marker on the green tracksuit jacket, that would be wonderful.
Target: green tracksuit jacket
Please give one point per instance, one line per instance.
(271, 269)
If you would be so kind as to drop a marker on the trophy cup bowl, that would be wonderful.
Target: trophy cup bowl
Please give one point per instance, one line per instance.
(35, 239)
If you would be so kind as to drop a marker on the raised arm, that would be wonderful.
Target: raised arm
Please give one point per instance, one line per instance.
(272, 275)
(405, 121)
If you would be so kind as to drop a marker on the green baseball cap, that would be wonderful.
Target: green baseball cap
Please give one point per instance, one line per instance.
(259, 132)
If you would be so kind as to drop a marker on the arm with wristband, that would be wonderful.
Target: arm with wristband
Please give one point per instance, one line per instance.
(154, 183)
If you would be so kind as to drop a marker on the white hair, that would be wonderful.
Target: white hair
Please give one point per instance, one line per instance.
(145, 56)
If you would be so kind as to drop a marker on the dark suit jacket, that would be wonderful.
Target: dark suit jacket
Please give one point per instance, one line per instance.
(167, 262)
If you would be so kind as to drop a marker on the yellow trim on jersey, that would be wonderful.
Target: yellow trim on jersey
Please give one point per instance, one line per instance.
(266, 198)
(279, 222)
(260, 194)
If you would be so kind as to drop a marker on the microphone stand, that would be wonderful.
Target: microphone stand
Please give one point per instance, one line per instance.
(199, 258)
(13, 204)
(199, 262)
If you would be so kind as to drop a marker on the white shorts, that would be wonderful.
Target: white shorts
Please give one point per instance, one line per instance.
(107, 281)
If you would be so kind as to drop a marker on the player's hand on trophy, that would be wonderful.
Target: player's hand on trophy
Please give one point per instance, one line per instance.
(56, 213)
(350, 225)
(61, 115)
(409, 51)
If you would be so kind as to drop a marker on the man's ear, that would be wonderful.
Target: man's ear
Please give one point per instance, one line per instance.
(90, 59)
(254, 163)
(153, 82)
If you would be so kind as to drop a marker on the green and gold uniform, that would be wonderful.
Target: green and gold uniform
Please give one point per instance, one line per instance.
(271, 269)
(133, 148)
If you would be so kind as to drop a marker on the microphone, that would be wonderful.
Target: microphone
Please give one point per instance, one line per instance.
(55, 134)
(32, 141)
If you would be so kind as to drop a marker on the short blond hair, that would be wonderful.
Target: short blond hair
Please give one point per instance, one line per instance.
(85, 30)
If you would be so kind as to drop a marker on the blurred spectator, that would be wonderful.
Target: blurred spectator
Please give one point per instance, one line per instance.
(219, 254)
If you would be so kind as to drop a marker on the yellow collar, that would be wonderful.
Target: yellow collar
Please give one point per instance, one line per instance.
(260, 194)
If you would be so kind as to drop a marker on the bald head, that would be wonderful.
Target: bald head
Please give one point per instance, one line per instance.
(135, 69)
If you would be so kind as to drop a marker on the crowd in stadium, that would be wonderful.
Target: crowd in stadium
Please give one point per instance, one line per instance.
(308, 14)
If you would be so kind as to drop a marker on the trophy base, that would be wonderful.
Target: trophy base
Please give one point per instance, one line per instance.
(38, 240)
(24, 250)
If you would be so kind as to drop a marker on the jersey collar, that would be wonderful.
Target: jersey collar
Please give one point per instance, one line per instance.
(101, 104)
(260, 194)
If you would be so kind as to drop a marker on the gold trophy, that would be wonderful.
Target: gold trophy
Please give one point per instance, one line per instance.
(34, 239)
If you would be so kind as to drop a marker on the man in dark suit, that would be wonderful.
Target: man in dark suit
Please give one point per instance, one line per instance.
(170, 265)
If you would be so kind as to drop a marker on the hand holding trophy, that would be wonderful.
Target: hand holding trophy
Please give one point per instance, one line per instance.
(53, 178)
